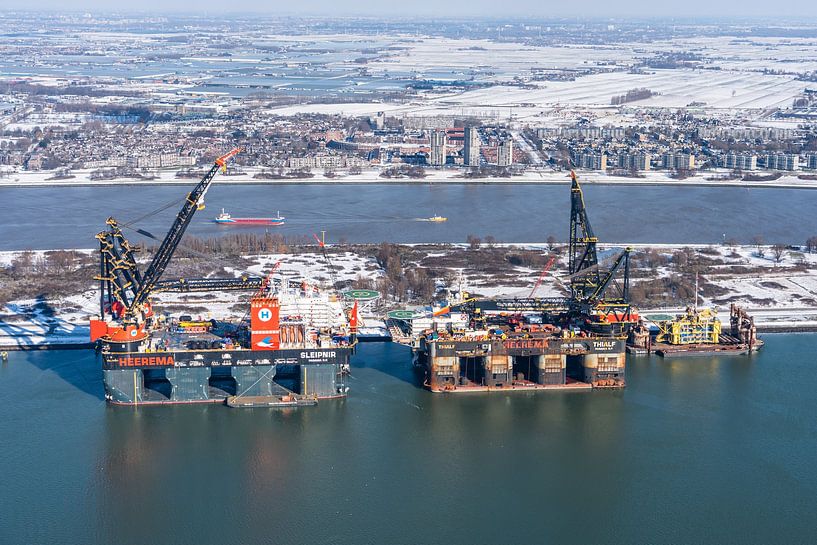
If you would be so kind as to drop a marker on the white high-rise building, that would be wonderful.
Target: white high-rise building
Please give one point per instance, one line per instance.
(504, 153)
(437, 155)
(471, 149)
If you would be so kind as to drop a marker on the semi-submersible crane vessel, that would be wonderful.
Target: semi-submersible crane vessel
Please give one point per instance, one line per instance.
(293, 349)
(575, 342)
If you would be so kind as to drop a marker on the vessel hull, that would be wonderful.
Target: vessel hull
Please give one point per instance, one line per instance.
(521, 365)
(211, 376)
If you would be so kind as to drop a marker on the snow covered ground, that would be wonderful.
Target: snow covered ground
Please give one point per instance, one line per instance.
(779, 294)
(29, 323)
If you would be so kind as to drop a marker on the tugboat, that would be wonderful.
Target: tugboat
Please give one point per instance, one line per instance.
(437, 219)
(226, 219)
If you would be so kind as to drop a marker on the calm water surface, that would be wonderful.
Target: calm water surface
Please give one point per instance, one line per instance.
(60, 217)
(718, 450)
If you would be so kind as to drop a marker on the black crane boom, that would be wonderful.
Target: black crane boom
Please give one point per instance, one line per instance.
(171, 241)
(606, 279)
(582, 252)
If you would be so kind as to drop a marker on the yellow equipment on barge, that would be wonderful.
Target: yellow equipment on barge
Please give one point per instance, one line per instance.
(695, 326)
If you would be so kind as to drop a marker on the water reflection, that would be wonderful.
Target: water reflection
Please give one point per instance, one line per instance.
(687, 453)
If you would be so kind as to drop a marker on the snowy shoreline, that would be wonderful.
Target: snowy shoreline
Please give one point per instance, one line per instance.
(81, 178)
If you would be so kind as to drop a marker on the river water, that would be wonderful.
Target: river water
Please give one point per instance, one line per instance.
(713, 450)
(60, 217)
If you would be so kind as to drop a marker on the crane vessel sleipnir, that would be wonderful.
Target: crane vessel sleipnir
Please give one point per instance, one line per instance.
(292, 349)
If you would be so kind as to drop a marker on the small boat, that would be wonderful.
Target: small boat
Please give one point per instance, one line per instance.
(437, 219)
(226, 219)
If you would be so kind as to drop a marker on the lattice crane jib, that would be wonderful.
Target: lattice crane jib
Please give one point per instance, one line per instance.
(583, 255)
(119, 275)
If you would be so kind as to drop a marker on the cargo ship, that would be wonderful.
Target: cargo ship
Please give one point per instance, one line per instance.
(226, 219)
(292, 348)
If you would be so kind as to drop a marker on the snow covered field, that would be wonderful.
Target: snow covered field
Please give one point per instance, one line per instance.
(675, 88)
(730, 77)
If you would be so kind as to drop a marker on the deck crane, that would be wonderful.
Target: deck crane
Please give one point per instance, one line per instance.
(127, 288)
(542, 276)
(606, 312)
(583, 258)
(591, 300)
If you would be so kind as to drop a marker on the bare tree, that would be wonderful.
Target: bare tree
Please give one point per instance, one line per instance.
(490, 240)
(24, 263)
(473, 242)
(778, 251)
(811, 244)
(551, 240)
(759, 242)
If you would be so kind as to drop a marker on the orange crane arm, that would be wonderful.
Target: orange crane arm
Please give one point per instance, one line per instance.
(542, 276)
(222, 161)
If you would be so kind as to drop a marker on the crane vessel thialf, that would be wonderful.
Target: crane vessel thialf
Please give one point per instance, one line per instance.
(292, 349)
(534, 343)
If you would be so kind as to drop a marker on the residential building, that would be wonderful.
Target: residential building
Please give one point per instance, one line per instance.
(437, 155)
(678, 161)
(782, 161)
(504, 153)
(634, 161)
(592, 161)
(470, 151)
(325, 161)
(738, 162)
